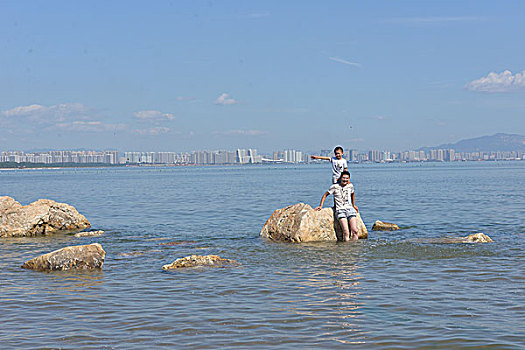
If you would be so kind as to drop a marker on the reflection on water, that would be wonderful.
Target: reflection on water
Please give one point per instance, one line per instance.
(402, 289)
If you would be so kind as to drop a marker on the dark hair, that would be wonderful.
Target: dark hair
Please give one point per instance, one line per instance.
(339, 148)
(344, 172)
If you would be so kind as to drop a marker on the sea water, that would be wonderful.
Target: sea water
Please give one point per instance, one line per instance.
(398, 289)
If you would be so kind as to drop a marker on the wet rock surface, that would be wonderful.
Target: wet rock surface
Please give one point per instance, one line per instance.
(200, 261)
(43, 217)
(90, 256)
(478, 238)
(384, 226)
(301, 223)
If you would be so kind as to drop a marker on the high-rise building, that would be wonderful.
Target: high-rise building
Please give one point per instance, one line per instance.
(352, 155)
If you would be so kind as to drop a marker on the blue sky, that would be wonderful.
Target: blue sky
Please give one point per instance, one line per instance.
(187, 75)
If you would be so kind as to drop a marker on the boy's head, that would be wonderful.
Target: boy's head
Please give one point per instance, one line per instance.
(338, 151)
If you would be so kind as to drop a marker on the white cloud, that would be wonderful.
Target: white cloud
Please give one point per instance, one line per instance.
(158, 130)
(498, 82)
(72, 117)
(49, 115)
(239, 132)
(95, 126)
(24, 110)
(153, 116)
(340, 60)
(225, 99)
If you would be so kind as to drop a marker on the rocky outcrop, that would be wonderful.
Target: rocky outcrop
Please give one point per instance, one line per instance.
(301, 223)
(43, 217)
(200, 260)
(90, 234)
(384, 226)
(478, 238)
(90, 256)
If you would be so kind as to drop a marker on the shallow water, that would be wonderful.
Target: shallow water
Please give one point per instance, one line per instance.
(394, 290)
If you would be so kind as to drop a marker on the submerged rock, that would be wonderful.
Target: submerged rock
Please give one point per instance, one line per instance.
(301, 223)
(89, 234)
(199, 260)
(384, 226)
(90, 256)
(43, 217)
(473, 238)
(478, 238)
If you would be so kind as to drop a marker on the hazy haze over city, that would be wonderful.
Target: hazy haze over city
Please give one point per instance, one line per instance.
(189, 75)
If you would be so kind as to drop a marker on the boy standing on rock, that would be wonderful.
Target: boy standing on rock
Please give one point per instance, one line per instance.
(344, 202)
(339, 164)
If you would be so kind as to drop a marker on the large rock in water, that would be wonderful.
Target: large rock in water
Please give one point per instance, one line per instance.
(90, 256)
(43, 217)
(301, 223)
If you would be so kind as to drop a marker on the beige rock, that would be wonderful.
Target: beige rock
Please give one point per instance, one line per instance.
(43, 217)
(384, 226)
(301, 223)
(89, 234)
(199, 260)
(478, 238)
(82, 257)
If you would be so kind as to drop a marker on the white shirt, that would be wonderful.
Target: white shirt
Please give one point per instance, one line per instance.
(338, 165)
(342, 196)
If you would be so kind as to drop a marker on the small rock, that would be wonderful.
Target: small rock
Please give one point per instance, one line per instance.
(90, 256)
(478, 238)
(199, 260)
(43, 217)
(384, 226)
(89, 234)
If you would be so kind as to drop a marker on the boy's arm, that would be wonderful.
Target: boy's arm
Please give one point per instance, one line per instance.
(320, 157)
(353, 202)
(322, 201)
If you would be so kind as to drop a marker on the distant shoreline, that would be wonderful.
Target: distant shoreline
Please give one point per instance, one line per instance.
(41, 166)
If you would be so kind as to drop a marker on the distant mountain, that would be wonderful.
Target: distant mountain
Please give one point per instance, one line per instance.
(497, 142)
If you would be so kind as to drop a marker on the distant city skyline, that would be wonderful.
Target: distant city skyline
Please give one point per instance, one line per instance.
(246, 156)
(269, 75)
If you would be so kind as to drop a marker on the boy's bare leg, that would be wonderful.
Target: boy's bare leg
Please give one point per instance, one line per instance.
(353, 228)
(346, 231)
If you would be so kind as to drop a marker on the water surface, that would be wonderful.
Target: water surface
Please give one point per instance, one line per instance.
(393, 290)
